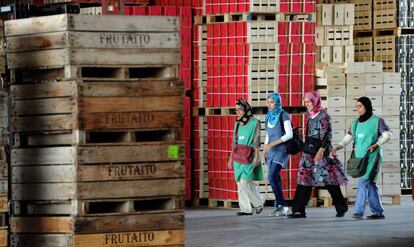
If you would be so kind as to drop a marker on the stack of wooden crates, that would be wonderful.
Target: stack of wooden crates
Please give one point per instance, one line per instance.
(3, 143)
(96, 113)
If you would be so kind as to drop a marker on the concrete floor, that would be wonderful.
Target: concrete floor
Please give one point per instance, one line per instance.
(221, 227)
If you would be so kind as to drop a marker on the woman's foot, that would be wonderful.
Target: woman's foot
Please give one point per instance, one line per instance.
(376, 217)
(244, 214)
(297, 215)
(357, 216)
(259, 209)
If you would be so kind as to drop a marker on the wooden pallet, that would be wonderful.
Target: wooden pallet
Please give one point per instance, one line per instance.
(226, 203)
(99, 207)
(395, 199)
(243, 17)
(96, 137)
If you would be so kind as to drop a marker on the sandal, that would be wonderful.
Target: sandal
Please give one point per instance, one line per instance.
(259, 210)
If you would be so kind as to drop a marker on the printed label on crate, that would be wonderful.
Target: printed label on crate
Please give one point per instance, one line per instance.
(131, 170)
(131, 239)
(173, 151)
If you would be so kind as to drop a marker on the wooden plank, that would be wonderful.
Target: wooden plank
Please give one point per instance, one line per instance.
(121, 239)
(130, 120)
(144, 152)
(57, 57)
(131, 89)
(4, 205)
(4, 187)
(113, 40)
(110, 23)
(3, 237)
(43, 156)
(138, 188)
(102, 57)
(44, 174)
(130, 171)
(42, 224)
(44, 106)
(44, 123)
(44, 90)
(55, 207)
(42, 240)
(131, 104)
(44, 191)
(125, 56)
(130, 222)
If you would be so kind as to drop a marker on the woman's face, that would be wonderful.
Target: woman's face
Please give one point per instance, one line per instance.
(308, 104)
(360, 108)
(271, 105)
(239, 111)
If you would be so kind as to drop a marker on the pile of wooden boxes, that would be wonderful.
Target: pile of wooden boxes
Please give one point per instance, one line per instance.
(3, 143)
(344, 85)
(334, 33)
(96, 112)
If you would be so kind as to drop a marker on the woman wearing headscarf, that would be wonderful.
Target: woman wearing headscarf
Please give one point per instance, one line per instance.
(278, 131)
(315, 168)
(369, 133)
(247, 132)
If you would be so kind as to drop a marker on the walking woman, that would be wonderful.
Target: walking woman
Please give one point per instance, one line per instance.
(369, 133)
(278, 131)
(315, 168)
(246, 133)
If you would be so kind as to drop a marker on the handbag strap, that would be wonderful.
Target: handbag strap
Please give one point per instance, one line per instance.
(236, 135)
(353, 144)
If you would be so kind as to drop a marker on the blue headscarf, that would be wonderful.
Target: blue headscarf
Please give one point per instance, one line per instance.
(273, 115)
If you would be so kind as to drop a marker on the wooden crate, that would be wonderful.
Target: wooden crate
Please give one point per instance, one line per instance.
(384, 45)
(362, 5)
(386, 18)
(62, 40)
(73, 112)
(388, 62)
(363, 20)
(363, 49)
(385, 4)
(159, 229)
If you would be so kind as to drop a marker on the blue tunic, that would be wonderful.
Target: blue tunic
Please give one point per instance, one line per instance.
(277, 154)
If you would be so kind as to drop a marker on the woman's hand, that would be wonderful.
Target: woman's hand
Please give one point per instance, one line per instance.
(255, 162)
(264, 157)
(373, 147)
(319, 155)
(267, 147)
(230, 164)
(332, 154)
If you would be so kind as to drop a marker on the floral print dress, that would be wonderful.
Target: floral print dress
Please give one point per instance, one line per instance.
(328, 172)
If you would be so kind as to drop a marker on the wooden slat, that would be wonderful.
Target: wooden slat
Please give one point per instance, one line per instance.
(42, 240)
(130, 171)
(131, 89)
(43, 156)
(65, 22)
(44, 90)
(113, 40)
(42, 224)
(131, 104)
(126, 239)
(44, 106)
(135, 222)
(146, 152)
(130, 120)
(3, 237)
(3, 205)
(44, 191)
(44, 174)
(138, 188)
(44, 123)
(55, 207)
(102, 57)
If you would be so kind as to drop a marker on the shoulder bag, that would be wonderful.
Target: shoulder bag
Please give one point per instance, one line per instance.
(242, 154)
(294, 145)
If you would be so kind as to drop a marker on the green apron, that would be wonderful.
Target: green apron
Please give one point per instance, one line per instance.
(246, 137)
(365, 136)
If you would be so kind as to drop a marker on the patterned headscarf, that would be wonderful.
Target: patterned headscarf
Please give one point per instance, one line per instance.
(248, 111)
(273, 115)
(315, 98)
